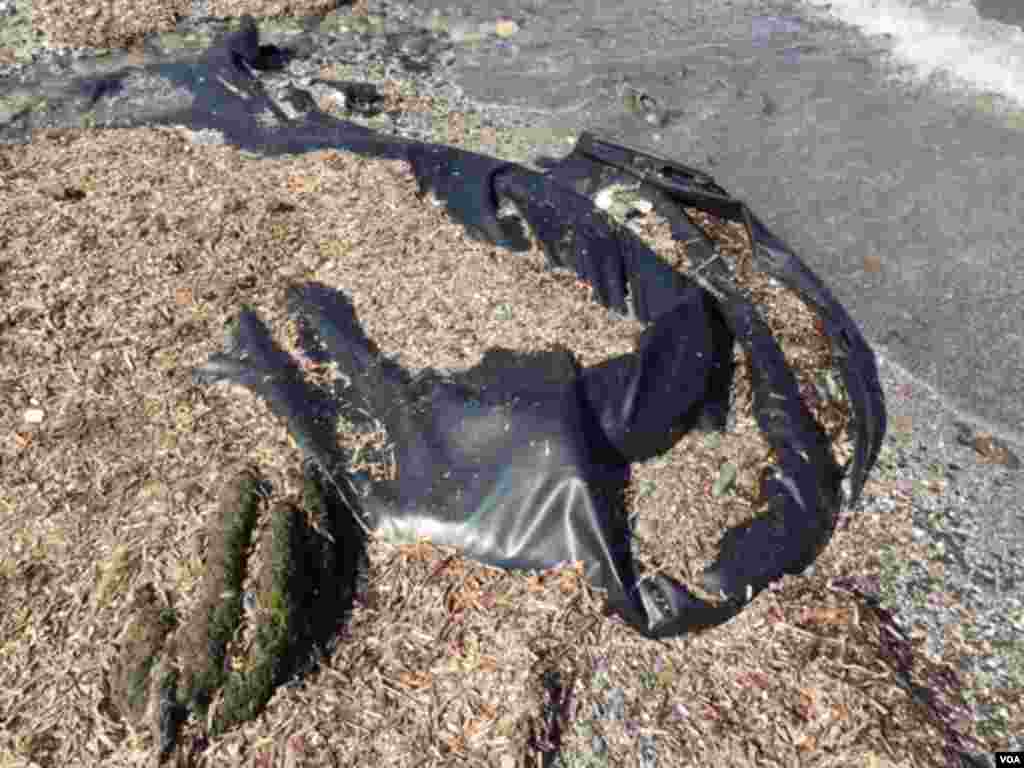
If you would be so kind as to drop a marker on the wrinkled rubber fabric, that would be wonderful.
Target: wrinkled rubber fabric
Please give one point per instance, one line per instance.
(508, 461)
(522, 460)
(670, 186)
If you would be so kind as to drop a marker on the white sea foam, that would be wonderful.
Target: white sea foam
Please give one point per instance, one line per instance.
(944, 40)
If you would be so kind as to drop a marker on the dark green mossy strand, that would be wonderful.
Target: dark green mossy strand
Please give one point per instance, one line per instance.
(137, 693)
(302, 593)
(169, 619)
(143, 642)
(221, 609)
(282, 628)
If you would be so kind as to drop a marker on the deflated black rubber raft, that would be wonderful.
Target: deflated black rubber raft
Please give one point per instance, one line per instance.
(521, 461)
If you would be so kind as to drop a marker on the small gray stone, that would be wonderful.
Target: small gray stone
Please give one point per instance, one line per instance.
(615, 704)
(647, 754)
(463, 32)
(416, 45)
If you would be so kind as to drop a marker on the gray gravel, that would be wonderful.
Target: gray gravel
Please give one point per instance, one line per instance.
(975, 528)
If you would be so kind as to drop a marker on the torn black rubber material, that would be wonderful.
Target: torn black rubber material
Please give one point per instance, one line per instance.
(509, 503)
(596, 163)
(509, 462)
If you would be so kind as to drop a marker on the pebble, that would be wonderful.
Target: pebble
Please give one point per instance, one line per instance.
(34, 416)
(657, 119)
(465, 33)
(506, 28)
(416, 46)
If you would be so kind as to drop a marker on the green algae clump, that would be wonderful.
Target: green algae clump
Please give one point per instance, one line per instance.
(142, 641)
(281, 630)
(204, 641)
